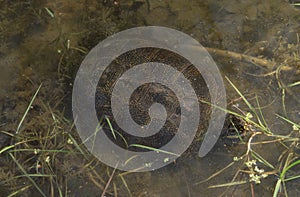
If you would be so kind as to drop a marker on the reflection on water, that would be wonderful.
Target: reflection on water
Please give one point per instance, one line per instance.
(46, 46)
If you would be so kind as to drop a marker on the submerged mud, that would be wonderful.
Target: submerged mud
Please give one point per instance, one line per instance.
(43, 44)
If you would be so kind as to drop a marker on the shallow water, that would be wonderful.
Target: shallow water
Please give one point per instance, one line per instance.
(46, 46)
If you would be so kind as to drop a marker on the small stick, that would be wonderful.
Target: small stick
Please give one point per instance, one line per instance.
(241, 57)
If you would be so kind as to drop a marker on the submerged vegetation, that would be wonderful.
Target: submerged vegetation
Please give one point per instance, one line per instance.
(43, 45)
(252, 163)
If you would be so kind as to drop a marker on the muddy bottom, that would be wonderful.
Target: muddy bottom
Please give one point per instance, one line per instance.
(254, 44)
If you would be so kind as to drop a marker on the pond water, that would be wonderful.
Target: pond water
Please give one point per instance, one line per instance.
(255, 45)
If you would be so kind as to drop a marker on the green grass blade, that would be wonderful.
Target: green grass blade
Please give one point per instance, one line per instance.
(126, 185)
(124, 140)
(77, 146)
(289, 121)
(289, 167)
(98, 128)
(43, 150)
(294, 84)
(19, 190)
(153, 149)
(228, 184)
(26, 174)
(264, 123)
(277, 188)
(28, 108)
(261, 159)
(262, 126)
(236, 114)
(241, 95)
(111, 128)
(11, 146)
(49, 12)
(292, 178)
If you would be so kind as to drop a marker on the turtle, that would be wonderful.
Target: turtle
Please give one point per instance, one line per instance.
(148, 94)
